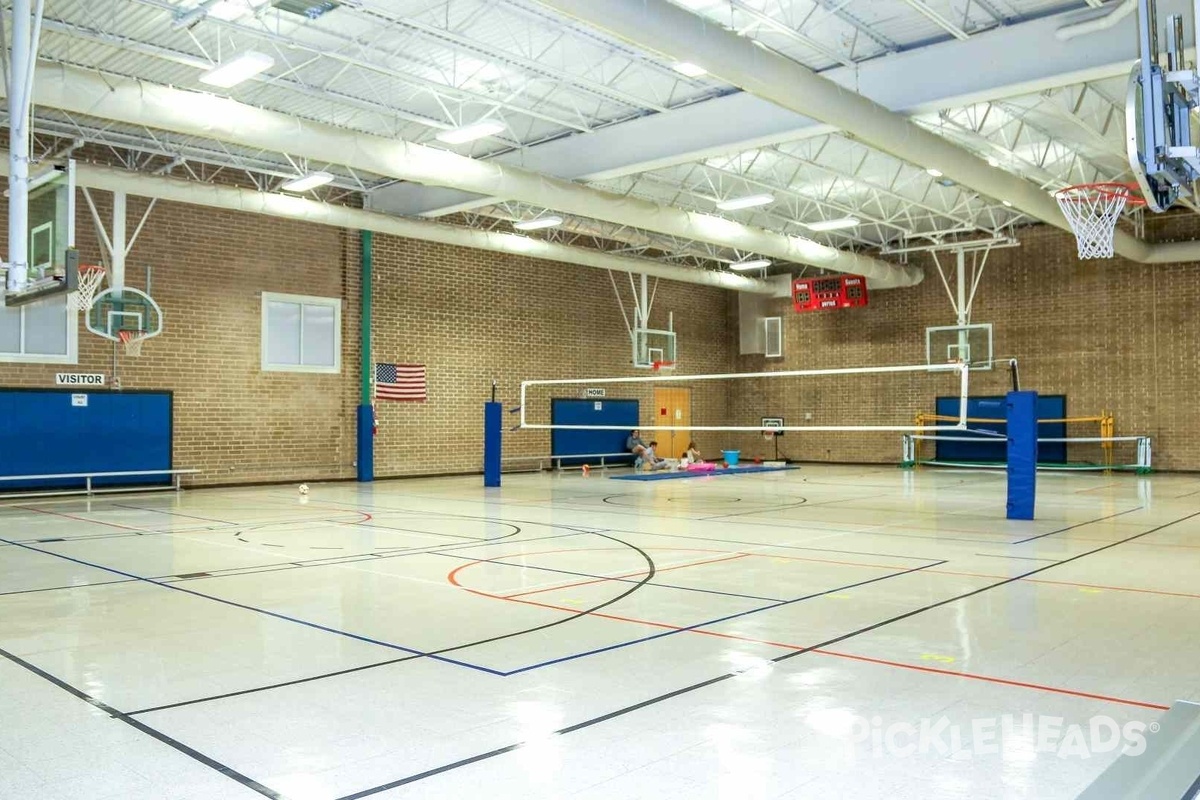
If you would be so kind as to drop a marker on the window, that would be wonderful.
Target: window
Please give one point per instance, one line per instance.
(42, 332)
(301, 334)
(773, 335)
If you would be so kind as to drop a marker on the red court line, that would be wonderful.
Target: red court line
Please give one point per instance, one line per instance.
(452, 577)
(637, 574)
(84, 519)
(1163, 592)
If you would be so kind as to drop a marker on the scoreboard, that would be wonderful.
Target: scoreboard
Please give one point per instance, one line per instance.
(835, 291)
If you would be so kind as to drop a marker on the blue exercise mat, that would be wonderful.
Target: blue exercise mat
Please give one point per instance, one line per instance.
(670, 476)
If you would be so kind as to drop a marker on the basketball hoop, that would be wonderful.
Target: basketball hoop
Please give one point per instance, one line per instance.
(663, 366)
(133, 342)
(1092, 209)
(90, 278)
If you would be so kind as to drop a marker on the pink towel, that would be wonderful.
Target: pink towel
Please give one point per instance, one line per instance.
(701, 467)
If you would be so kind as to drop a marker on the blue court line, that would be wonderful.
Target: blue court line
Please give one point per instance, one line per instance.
(674, 631)
(245, 607)
(671, 476)
(613, 580)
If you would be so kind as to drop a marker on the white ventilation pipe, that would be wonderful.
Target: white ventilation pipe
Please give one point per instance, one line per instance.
(231, 198)
(1117, 11)
(662, 27)
(138, 103)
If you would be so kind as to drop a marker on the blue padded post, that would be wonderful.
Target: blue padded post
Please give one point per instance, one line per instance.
(366, 443)
(493, 419)
(1021, 408)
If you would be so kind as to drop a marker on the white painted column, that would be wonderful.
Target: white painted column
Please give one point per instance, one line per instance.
(18, 155)
(116, 275)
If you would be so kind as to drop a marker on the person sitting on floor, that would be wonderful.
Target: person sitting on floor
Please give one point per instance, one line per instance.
(651, 459)
(692, 456)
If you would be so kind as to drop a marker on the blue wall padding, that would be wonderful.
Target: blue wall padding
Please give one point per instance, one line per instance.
(1021, 408)
(1050, 406)
(598, 411)
(493, 417)
(366, 443)
(42, 433)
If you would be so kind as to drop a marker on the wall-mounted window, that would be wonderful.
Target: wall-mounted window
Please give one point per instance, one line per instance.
(42, 332)
(301, 334)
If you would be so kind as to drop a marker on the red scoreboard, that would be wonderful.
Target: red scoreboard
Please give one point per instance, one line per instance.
(835, 291)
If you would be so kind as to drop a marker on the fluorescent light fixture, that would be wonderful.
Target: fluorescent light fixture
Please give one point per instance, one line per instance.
(689, 69)
(1006, 203)
(832, 224)
(538, 223)
(242, 68)
(993, 161)
(935, 172)
(749, 201)
(757, 263)
(305, 182)
(469, 133)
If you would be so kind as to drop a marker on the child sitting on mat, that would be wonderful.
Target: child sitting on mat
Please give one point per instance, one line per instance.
(692, 456)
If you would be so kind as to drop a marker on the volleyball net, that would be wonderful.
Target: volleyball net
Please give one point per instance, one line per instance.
(1085, 443)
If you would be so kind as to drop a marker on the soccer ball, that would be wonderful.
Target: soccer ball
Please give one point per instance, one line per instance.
(304, 489)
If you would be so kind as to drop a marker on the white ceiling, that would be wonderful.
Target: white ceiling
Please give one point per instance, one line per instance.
(614, 117)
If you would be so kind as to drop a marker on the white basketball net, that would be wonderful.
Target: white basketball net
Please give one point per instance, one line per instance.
(90, 279)
(133, 342)
(1093, 212)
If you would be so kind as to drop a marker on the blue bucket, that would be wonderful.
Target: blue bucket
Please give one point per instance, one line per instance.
(731, 457)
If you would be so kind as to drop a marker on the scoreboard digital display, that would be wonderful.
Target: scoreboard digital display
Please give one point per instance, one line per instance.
(822, 294)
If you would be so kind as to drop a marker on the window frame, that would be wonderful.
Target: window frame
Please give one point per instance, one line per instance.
(302, 300)
(70, 358)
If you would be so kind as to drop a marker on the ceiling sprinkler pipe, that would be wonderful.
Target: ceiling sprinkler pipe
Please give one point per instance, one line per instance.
(1116, 12)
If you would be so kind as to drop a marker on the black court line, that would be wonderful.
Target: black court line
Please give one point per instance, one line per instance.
(175, 744)
(651, 571)
(172, 513)
(429, 773)
(67, 586)
(1020, 558)
(1078, 525)
(607, 578)
(263, 611)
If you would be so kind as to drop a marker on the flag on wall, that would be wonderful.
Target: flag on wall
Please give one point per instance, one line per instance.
(400, 382)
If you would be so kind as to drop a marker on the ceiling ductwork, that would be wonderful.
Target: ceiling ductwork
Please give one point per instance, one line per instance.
(232, 198)
(222, 119)
(669, 30)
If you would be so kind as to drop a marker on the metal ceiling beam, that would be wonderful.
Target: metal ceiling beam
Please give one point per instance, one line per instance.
(665, 28)
(918, 81)
(297, 208)
(223, 119)
(938, 19)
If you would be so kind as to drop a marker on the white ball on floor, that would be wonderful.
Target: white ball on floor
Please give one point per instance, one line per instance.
(304, 488)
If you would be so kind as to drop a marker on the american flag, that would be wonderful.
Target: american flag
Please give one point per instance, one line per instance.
(400, 382)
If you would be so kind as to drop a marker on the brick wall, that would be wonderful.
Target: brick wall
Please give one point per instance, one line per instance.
(1108, 334)
(470, 316)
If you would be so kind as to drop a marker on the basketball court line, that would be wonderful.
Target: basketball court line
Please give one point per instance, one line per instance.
(604, 578)
(684, 690)
(154, 733)
(265, 612)
(830, 533)
(1079, 525)
(721, 678)
(884, 662)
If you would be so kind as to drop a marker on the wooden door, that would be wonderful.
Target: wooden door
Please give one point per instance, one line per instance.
(672, 407)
